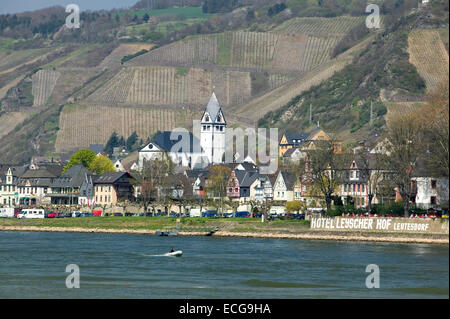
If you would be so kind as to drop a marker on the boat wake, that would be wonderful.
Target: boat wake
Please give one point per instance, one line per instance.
(174, 254)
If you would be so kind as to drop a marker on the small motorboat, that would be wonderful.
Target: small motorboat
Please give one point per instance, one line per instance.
(177, 253)
(166, 233)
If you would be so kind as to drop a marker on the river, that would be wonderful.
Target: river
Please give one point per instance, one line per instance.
(33, 265)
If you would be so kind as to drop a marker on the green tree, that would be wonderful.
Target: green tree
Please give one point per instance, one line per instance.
(131, 141)
(295, 206)
(112, 142)
(82, 157)
(101, 164)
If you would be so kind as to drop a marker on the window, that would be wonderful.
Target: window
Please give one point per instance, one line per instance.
(433, 184)
(433, 200)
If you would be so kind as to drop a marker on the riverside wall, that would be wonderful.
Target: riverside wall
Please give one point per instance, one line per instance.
(397, 225)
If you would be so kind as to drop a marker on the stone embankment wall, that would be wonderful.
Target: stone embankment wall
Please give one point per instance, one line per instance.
(397, 225)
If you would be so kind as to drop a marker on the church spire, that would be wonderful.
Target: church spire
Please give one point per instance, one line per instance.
(213, 109)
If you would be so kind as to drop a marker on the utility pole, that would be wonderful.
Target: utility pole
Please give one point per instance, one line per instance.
(310, 114)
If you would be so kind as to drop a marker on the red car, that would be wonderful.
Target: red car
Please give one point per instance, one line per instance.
(52, 215)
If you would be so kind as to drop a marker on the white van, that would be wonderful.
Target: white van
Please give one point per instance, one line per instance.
(31, 214)
(7, 212)
(195, 212)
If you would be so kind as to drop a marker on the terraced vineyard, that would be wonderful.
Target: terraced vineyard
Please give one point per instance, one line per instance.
(338, 26)
(192, 51)
(44, 82)
(429, 55)
(82, 125)
(115, 91)
(172, 86)
(273, 100)
(246, 51)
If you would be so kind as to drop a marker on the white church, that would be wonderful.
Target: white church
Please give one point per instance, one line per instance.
(187, 150)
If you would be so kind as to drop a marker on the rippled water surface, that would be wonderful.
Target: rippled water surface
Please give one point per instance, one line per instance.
(33, 265)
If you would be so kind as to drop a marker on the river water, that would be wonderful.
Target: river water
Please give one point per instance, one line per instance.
(33, 265)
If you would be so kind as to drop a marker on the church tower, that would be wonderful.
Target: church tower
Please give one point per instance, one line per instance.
(213, 130)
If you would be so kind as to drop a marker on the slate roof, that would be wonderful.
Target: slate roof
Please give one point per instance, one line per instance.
(289, 179)
(164, 142)
(213, 108)
(245, 178)
(38, 173)
(291, 137)
(110, 177)
(289, 152)
(74, 177)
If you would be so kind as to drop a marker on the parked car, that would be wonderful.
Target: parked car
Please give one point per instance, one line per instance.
(187, 214)
(118, 215)
(257, 215)
(87, 215)
(76, 214)
(97, 212)
(242, 214)
(228, 215)
(51, 215)
(273, 216)
(174, 215)
(7, 212)
(210, 214)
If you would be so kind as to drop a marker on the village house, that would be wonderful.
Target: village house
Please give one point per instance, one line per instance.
(75, 187)
(429, 191)
(9, 195)
(297, 140)
(355, 187)
(34, 185)
(284, 186)
(110, 188)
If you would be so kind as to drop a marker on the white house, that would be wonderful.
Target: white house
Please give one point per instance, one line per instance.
(9, 195)
(430, 191)
(284, 187)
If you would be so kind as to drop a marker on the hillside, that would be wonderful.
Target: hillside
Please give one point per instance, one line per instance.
(126, 74)
(353, 102)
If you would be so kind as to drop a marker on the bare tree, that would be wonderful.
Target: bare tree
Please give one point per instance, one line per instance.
(405, 134)
(325, 167)
(156, 181)
(217, 183)
(436, 117)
